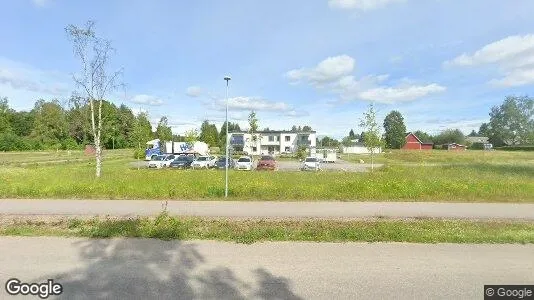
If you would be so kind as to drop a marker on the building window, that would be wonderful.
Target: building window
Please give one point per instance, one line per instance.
(277, 138)
(287, 149)
(288, 138)
(254, 149)
(271, 138)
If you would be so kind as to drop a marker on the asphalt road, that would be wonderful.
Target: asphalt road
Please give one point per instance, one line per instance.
(262, 209)
(154, 269)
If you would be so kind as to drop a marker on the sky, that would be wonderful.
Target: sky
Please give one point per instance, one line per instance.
(441, 63)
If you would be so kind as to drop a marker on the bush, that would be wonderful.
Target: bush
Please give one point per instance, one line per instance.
(301, 153)
(215, 150)
(477, 146)
(139, 153)
(69, 144)
(516, 148)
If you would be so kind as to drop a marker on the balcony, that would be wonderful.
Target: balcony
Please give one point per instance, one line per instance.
(303, 143)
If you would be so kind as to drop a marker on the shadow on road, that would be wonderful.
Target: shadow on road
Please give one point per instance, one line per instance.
(155, 269)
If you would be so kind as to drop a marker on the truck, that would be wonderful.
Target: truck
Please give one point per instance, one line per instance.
(156, 147)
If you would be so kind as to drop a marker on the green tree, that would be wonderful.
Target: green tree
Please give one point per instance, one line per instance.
(424, 137)
(306, 128)
(395, 130)
(126, 125)
(191, 136)
(512, 123)
(484, 130)
(163, 130)
(94, 54)
(209, 134)
(142, 131)
(294, 128)
(352, 136)
(372, 138)
(450, 136)
(78, 117)
(253, 125)
(5, 113)
(50, 125)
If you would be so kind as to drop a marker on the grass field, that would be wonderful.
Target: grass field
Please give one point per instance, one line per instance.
(249, 231)
(471, 176)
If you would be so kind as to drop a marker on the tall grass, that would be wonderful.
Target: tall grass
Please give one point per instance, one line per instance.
(469, 182)
(248, 231)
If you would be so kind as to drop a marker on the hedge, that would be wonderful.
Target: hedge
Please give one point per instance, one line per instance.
(517, 148)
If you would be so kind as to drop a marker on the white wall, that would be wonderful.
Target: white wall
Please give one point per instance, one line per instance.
(359, 150)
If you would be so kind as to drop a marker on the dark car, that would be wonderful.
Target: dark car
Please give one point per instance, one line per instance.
(221, 161)
(267, 162)
(182, 162)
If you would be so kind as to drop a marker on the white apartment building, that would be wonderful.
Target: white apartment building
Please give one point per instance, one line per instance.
(272, 142)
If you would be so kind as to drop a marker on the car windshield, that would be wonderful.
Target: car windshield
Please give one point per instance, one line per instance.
(182, 158)
(267, 158)
(311, 159)
(221, 159)
(202, 159)
(159, 158)
(244, 159)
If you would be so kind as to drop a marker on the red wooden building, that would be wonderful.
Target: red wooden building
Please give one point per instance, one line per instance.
(414, 143)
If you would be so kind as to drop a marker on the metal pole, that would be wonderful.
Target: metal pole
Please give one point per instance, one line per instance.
(226, 165)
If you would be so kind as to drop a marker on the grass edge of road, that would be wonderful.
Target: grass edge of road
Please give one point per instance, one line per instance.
(167, 227)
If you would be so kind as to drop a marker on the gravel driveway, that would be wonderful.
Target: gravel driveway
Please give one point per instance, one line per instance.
(339, 165)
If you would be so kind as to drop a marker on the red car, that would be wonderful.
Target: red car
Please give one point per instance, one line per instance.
(267, 162)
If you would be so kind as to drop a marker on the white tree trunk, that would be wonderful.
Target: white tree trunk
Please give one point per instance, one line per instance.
(98, 156)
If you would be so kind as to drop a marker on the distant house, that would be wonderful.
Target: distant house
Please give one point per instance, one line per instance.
(454, 147)
(477, 139)
(359, 148)
(479, 143)
(414, 143)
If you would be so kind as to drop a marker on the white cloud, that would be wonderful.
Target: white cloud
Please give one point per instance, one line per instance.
(369, 87)
(513, 55)
(401, 94)
(193, 91)
(328, 70)
(146, 100)
(29, 79)
(251, 103)
(363, 5)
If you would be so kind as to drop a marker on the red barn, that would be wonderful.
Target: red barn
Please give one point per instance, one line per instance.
(414, 143)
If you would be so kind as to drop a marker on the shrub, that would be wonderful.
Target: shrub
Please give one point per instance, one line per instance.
(517, 148)
(139, 153)
(215, 150)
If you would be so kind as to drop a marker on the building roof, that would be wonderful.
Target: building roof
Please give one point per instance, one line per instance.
(422, 143)
(477, 139)
(276, 131)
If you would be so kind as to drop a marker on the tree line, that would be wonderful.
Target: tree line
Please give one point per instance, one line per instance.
(510, 124)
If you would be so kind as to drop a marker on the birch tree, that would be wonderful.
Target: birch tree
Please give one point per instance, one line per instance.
(93, 78)
(371, 139)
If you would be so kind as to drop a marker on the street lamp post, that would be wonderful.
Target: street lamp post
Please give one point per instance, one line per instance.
(227, 78)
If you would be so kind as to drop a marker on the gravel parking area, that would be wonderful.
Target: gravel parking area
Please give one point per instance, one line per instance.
(284, 165)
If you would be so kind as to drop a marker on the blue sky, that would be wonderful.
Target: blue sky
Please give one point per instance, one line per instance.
(441, 63)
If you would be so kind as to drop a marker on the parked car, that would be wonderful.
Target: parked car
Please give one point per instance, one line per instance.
(221, 161)
(161, 161)
(244, 163)
(204, 162)
(267, 162)
(311, 164)
(182, 162)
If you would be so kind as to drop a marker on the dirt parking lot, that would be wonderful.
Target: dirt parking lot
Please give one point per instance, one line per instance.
(285, 166)
(339, 165)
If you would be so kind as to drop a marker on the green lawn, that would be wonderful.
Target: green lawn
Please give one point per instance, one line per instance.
(249, 231)
(471, 176)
